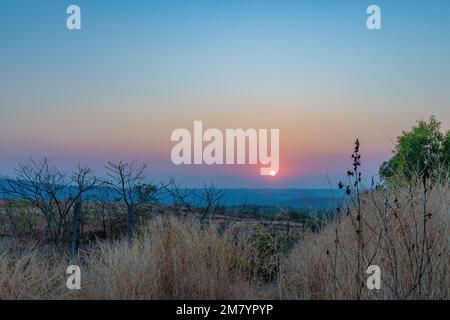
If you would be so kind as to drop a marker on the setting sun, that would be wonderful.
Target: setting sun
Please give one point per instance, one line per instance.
(273, 173)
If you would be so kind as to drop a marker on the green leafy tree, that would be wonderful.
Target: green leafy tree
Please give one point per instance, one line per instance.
(422, 149)
(447, 150)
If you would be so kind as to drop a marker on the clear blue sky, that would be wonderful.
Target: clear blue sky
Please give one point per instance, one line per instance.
(139, 69)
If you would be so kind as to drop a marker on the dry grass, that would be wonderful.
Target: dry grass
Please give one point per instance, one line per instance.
(405, 231)
(30, 273)
(171, 259)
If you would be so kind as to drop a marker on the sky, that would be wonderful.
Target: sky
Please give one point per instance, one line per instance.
(137, 70)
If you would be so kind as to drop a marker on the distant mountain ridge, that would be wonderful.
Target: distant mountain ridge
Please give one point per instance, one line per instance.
(318, 199)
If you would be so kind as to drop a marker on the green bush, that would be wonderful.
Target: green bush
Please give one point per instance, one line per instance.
(422, 150)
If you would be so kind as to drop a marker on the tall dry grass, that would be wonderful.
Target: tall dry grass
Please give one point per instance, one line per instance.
(27, 272)
(172, 259)
(405, 231)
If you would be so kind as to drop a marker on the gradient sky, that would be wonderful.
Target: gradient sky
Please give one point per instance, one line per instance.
(140, 69)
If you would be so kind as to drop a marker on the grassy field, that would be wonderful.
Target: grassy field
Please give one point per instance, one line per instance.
(402, 229)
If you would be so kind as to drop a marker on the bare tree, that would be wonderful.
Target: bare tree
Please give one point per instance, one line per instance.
(205, 201)
(180, 196)
(210, 198)
(109, 213)
(83, 180)
(128, 181)
(42, 185)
